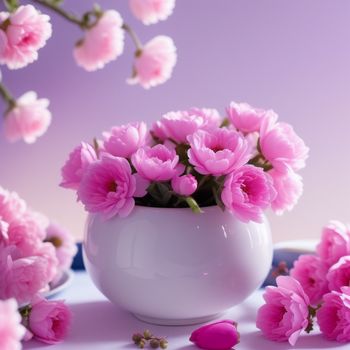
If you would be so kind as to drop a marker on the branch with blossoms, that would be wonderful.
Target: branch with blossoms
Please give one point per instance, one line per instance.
(24, 30)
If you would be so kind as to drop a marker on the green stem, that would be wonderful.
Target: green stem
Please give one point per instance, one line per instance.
(7, 97)
(134, 38)
(193, 205)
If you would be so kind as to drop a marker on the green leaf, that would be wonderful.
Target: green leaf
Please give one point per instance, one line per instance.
(160, 193)
(11, 5)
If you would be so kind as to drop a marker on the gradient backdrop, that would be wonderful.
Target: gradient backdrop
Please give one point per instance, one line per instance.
(292, 56)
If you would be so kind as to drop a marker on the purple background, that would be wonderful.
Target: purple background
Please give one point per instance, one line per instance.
(292, 56)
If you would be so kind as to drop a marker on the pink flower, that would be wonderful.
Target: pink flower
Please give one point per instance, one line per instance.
(221, 335)
(246, 118)
(108, 187)
(285, 314)
(49, 321)
(289, 188)
(184, 185)
(28, 120)
(157, 163)
(11, 205)
(11, 330)
(217, 152)
(247, 192)
(335, 242)
(22, 34)
(79, 159)
(339, 274)
(281, 146)
(64, 244)
(178, 125)
(151, 11)
(155, 62)
(334, 315)
(102, 43)
(123, 141)
(311, 272)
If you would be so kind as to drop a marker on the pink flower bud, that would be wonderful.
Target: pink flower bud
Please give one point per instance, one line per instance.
(222, 335)
(184, 185)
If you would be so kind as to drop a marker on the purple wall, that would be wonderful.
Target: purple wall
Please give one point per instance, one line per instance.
(292, 56)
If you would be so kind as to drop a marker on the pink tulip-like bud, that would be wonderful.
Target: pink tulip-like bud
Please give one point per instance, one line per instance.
(222, 335)
(184, 185)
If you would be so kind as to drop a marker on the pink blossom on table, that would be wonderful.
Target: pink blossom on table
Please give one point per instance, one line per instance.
(178, 125)
(335, 242)
(28, 119)
(281, 146)
(289, 188)
(284, 316)
(22, 34)
(154, 64)
(334, 315)
(247, 192)
(11, 329)
(108, 187)
(49, 321)
(339, 274)
(246, 118)
(221, 335)
(151, 11)
(79, 159)
(157, 163)
(63, 241)
(11, 205)
(311, 272)
(184, 185)
(125, 140)
(217, 152)
(102, 43)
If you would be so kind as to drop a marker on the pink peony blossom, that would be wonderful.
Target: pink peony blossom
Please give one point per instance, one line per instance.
(11, 329)
(184, 185)
(79, 159)
(157, 163)
(123, 141)
(11, 205)
(285, 312)
(311, 272)
(28, 120)
(334, 315)
(102, 43)
(339, 274)
(335, 242)
(4, 226)
(247, 192)
(281, 146)
(22, 34)
(221, 335)
(151, 11)
(64, 244)
(108, 187)
(217, 152)
(246, 118)
(154, 64)
(289, 188)
(178, 125)
(49, 320)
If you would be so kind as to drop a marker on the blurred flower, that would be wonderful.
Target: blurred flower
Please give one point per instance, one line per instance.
(11, 205)
(184, 185)
(28, 119)
(22, 34)
(154, 63)
(102, 43)
(151, 11)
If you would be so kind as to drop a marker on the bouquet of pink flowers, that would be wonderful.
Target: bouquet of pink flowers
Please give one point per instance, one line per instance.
(34, 253)
(244, 163)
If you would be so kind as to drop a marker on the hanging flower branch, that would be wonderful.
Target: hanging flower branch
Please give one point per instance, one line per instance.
(24, 30)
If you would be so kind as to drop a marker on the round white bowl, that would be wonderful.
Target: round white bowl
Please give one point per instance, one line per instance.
(173, 267)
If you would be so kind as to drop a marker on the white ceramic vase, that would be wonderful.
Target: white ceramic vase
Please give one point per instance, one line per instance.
(173, 267)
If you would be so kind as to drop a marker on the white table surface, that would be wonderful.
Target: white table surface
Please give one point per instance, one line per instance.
(99, 325)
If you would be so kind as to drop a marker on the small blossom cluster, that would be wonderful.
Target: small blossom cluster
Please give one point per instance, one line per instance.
(33, 255)
(318, 285)
(245, 163)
